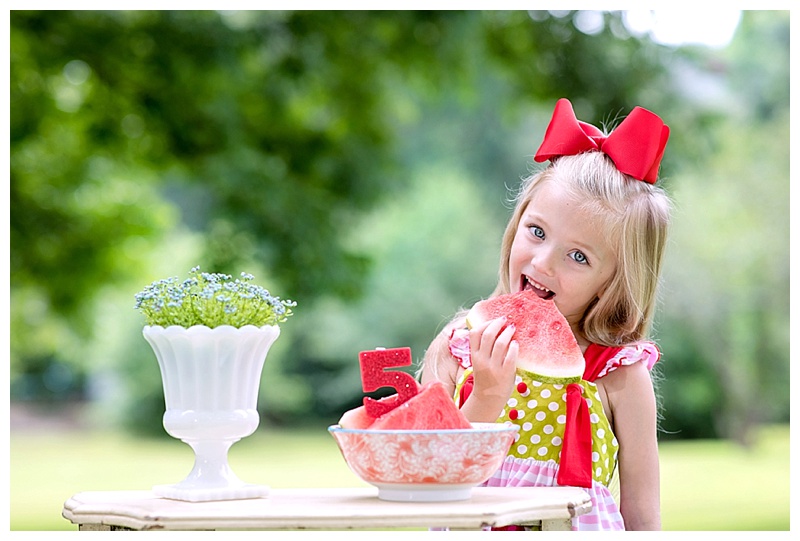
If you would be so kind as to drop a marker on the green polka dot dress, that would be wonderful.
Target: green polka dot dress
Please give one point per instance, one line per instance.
(538, 405)
(539, 408)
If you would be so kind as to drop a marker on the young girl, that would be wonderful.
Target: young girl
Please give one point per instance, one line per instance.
(588, 232)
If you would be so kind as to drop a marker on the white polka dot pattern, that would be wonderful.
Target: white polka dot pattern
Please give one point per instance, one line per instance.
(539, 408)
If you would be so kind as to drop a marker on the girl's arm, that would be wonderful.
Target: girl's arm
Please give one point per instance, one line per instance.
(494, 357)
(633, 406)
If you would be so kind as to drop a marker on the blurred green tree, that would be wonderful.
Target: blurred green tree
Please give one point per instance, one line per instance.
(267, 132)
(725, 325)
(290, 141)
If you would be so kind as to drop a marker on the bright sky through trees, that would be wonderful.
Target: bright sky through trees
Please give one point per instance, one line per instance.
(705, 26)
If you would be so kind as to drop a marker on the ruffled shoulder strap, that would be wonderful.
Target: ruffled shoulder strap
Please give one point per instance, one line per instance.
(600, 360)
(459, 347)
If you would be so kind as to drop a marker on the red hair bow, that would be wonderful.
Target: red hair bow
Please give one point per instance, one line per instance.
(636, 146)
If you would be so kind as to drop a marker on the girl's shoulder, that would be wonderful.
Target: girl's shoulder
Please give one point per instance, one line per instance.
(442, 344)
(600, 360)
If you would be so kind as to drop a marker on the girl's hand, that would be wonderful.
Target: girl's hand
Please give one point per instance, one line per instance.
(494, 359)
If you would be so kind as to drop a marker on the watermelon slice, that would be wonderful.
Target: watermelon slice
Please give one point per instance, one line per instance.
(547, 346)
(432, 408)
(358, 417)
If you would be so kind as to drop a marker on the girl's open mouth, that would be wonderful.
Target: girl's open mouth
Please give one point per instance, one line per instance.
(540, 290)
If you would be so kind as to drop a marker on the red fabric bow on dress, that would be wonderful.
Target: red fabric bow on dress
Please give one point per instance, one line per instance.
(636, 146)
(575, 468)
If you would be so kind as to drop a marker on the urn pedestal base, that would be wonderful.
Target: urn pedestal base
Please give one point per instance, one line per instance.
(211, 379)
(211, 478)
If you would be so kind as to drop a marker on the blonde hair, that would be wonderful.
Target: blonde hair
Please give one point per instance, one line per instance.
(635, 218)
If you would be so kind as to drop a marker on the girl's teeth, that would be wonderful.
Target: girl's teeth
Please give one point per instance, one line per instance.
(540, 288)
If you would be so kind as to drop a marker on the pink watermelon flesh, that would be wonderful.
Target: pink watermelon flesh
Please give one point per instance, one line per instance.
(356, 418)
(546, 344)
(430, 409)
(359, 417)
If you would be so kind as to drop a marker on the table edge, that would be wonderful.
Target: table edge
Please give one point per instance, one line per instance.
(578, 505)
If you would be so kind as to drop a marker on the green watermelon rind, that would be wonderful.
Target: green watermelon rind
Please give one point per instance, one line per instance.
(566, 380)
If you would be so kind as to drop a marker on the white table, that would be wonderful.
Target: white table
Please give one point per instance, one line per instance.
(328, 509)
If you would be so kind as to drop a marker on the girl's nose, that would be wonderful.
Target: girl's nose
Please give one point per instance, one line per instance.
(543, 262)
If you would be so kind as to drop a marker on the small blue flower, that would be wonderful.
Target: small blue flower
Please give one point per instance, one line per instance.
(210, 299)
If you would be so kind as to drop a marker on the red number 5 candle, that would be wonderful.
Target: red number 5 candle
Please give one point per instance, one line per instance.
(374, 376)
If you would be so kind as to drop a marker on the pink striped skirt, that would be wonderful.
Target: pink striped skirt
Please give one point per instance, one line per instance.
(527, 472)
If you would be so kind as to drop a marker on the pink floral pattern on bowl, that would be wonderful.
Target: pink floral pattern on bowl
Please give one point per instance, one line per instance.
(425, 457)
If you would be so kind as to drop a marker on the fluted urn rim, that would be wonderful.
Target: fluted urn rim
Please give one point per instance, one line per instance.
(205, 330)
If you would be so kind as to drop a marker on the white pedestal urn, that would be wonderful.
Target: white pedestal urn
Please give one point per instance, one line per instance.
(211, 378)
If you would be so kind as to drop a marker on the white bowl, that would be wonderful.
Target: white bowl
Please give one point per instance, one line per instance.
(425, 465)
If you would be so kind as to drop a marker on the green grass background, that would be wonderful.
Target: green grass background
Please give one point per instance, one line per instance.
(706, 485)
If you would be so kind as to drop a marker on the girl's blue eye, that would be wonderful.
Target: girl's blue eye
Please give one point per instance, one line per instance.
(537, 231)
(579, 257)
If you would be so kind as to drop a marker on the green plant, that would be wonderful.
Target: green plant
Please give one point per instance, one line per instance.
(211, 299)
